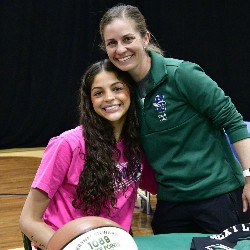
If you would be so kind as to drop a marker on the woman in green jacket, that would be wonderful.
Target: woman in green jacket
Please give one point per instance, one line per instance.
(183, 119)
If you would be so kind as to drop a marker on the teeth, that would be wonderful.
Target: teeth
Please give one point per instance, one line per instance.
(111, 107)
(124, 59)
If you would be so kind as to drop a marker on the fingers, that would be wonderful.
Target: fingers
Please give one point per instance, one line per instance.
(245, 203)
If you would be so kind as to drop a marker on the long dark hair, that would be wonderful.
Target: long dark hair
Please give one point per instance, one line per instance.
(100, 178)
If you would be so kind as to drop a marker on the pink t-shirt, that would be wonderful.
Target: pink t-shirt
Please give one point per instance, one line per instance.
(58, 175)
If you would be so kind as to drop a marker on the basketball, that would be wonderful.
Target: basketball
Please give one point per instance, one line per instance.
(91, 233)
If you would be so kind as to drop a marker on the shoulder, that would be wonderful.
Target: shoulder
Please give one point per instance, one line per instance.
(70, 139)
(172, 68)
(75, 133)
(173, 62)
(168, 61)
(183, 69)
(182, 65)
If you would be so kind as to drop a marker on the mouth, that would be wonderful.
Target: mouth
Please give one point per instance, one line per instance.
(124, 59)
(112, 108)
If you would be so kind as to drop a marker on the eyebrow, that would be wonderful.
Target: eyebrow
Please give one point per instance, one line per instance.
(111, 85)
(111, 39)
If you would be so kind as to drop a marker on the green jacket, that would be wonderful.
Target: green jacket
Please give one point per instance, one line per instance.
(183, 121)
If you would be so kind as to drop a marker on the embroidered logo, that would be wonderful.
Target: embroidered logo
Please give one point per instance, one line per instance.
(160, 107)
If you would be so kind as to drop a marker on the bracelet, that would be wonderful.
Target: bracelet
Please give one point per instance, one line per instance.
(246, 172)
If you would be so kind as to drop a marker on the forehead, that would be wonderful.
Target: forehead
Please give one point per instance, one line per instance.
(119, 27)
(104, 78)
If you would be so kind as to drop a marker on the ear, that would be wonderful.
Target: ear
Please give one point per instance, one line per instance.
(146, 39)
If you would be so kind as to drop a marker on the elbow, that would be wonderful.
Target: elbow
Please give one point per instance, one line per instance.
(23, 224)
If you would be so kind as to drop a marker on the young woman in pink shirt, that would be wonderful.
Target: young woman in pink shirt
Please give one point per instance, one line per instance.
(95, 168)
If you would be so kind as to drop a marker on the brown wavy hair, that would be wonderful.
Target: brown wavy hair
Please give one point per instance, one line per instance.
(100, 178)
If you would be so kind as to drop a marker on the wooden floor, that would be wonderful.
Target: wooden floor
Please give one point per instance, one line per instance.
(17, 170)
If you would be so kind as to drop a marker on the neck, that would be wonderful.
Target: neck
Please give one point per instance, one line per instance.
(142, 70)
(117, 136)
(118, 126)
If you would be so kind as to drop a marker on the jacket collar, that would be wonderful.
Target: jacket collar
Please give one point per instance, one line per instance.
(158, 69)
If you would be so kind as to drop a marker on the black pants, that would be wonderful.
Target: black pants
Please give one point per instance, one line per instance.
(208, 216)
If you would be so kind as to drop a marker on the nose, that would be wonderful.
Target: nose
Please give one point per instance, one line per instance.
(109, 96)
(120, 48)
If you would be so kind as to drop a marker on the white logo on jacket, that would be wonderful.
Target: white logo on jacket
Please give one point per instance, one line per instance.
(160, 107)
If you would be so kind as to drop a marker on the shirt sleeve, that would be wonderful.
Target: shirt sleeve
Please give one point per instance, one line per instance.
(54, 166)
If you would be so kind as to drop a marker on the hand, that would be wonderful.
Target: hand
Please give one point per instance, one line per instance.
(246, 195)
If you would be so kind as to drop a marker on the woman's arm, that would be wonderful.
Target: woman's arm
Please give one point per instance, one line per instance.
(31, 223)
(148, 180)
(242, 149)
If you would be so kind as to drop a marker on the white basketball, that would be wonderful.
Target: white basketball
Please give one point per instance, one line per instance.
(91, 233)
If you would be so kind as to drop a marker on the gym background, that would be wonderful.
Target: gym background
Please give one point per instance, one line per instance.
(46, 45)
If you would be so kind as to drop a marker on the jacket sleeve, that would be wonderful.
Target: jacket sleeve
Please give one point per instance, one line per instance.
(207, 98)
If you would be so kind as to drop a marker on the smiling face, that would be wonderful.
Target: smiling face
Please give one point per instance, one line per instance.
(110, 98)
(126, 48)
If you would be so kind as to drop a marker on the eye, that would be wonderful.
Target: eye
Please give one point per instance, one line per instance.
(118, 89)
(97, 93)
(128, 39)
(111, 43)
